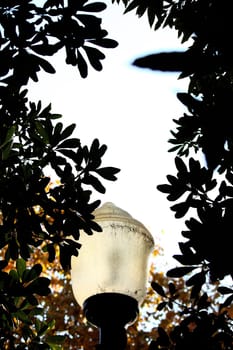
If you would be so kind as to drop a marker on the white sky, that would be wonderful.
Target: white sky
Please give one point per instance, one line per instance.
(131, 111)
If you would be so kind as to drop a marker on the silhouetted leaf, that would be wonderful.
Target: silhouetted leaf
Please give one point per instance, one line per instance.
(162, 305)
(164, 188)
(67, 132)
(172, 288)
(188, 258)
(68, 153)
(45, 65)
(33, 273)
(51, 251)
(203, 302)
(82, 65)
(39, 286)
(42, 131)
(95, 227)
(45, 50)
(180, 209)
(228, 301)
(158, 288)
(70, 143)
(94, 7)
(93, 181)
(108, 173)
(105, 42)
(94, 56)
(180, 271)
(133, 5)
(225, 290)
(181, 166)
(176, 193)
(163, 337)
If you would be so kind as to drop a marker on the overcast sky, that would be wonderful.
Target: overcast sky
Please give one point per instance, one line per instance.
(131, 111)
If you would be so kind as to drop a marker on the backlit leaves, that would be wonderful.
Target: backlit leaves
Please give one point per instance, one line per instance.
(31, 212)
(157, 288)
(38, 30)
(154, 10)
(205, 131)
(18, 289)
(195, 182)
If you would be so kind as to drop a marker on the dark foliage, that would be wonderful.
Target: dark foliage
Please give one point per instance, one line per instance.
(31, 139)
(32, 213)
(30, 31)
(203, 186)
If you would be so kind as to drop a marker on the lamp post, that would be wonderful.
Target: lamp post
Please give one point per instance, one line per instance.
(109, 276)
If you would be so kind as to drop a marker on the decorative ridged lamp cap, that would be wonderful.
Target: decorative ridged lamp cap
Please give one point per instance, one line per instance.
(109, 209)
(110, 212)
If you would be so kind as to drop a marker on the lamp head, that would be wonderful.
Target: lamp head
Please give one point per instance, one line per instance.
(114, 260)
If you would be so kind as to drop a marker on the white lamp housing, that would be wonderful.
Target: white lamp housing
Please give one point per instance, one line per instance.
(114, 260)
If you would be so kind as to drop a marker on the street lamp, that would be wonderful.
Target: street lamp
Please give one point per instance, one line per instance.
(109, 276)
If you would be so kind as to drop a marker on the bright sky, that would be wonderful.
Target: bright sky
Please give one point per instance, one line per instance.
(131, 111)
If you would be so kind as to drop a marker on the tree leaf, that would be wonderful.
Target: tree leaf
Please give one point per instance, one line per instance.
(180, 209)
(82, 65)
(164, 188)
(225, 290)
(162, 305)
(67, 132)
(45, 65)
(94, 57)
(163, 337)
(95, 7)
(34, 272)
(70, 143)
(180, 271)
(108, 173)
(93, 181)
(20, 266)
(172, 288)
(39, 286)
(42, 131)
(105, 42)
(198, 278)
(158, 288)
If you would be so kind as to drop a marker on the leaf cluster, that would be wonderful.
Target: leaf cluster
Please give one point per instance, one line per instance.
(33, 213)
(202, 191)
(31, 30)
(208, 23)
(201, 323)
(30, 213)
(154, 10)
(203, 330)
(198, 191)
(19, 289)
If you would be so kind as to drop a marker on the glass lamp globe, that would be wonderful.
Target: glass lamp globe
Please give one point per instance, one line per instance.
(109, 276)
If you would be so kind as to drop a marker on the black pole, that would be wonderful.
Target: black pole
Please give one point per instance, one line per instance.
(112, 337)
(111, 312)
